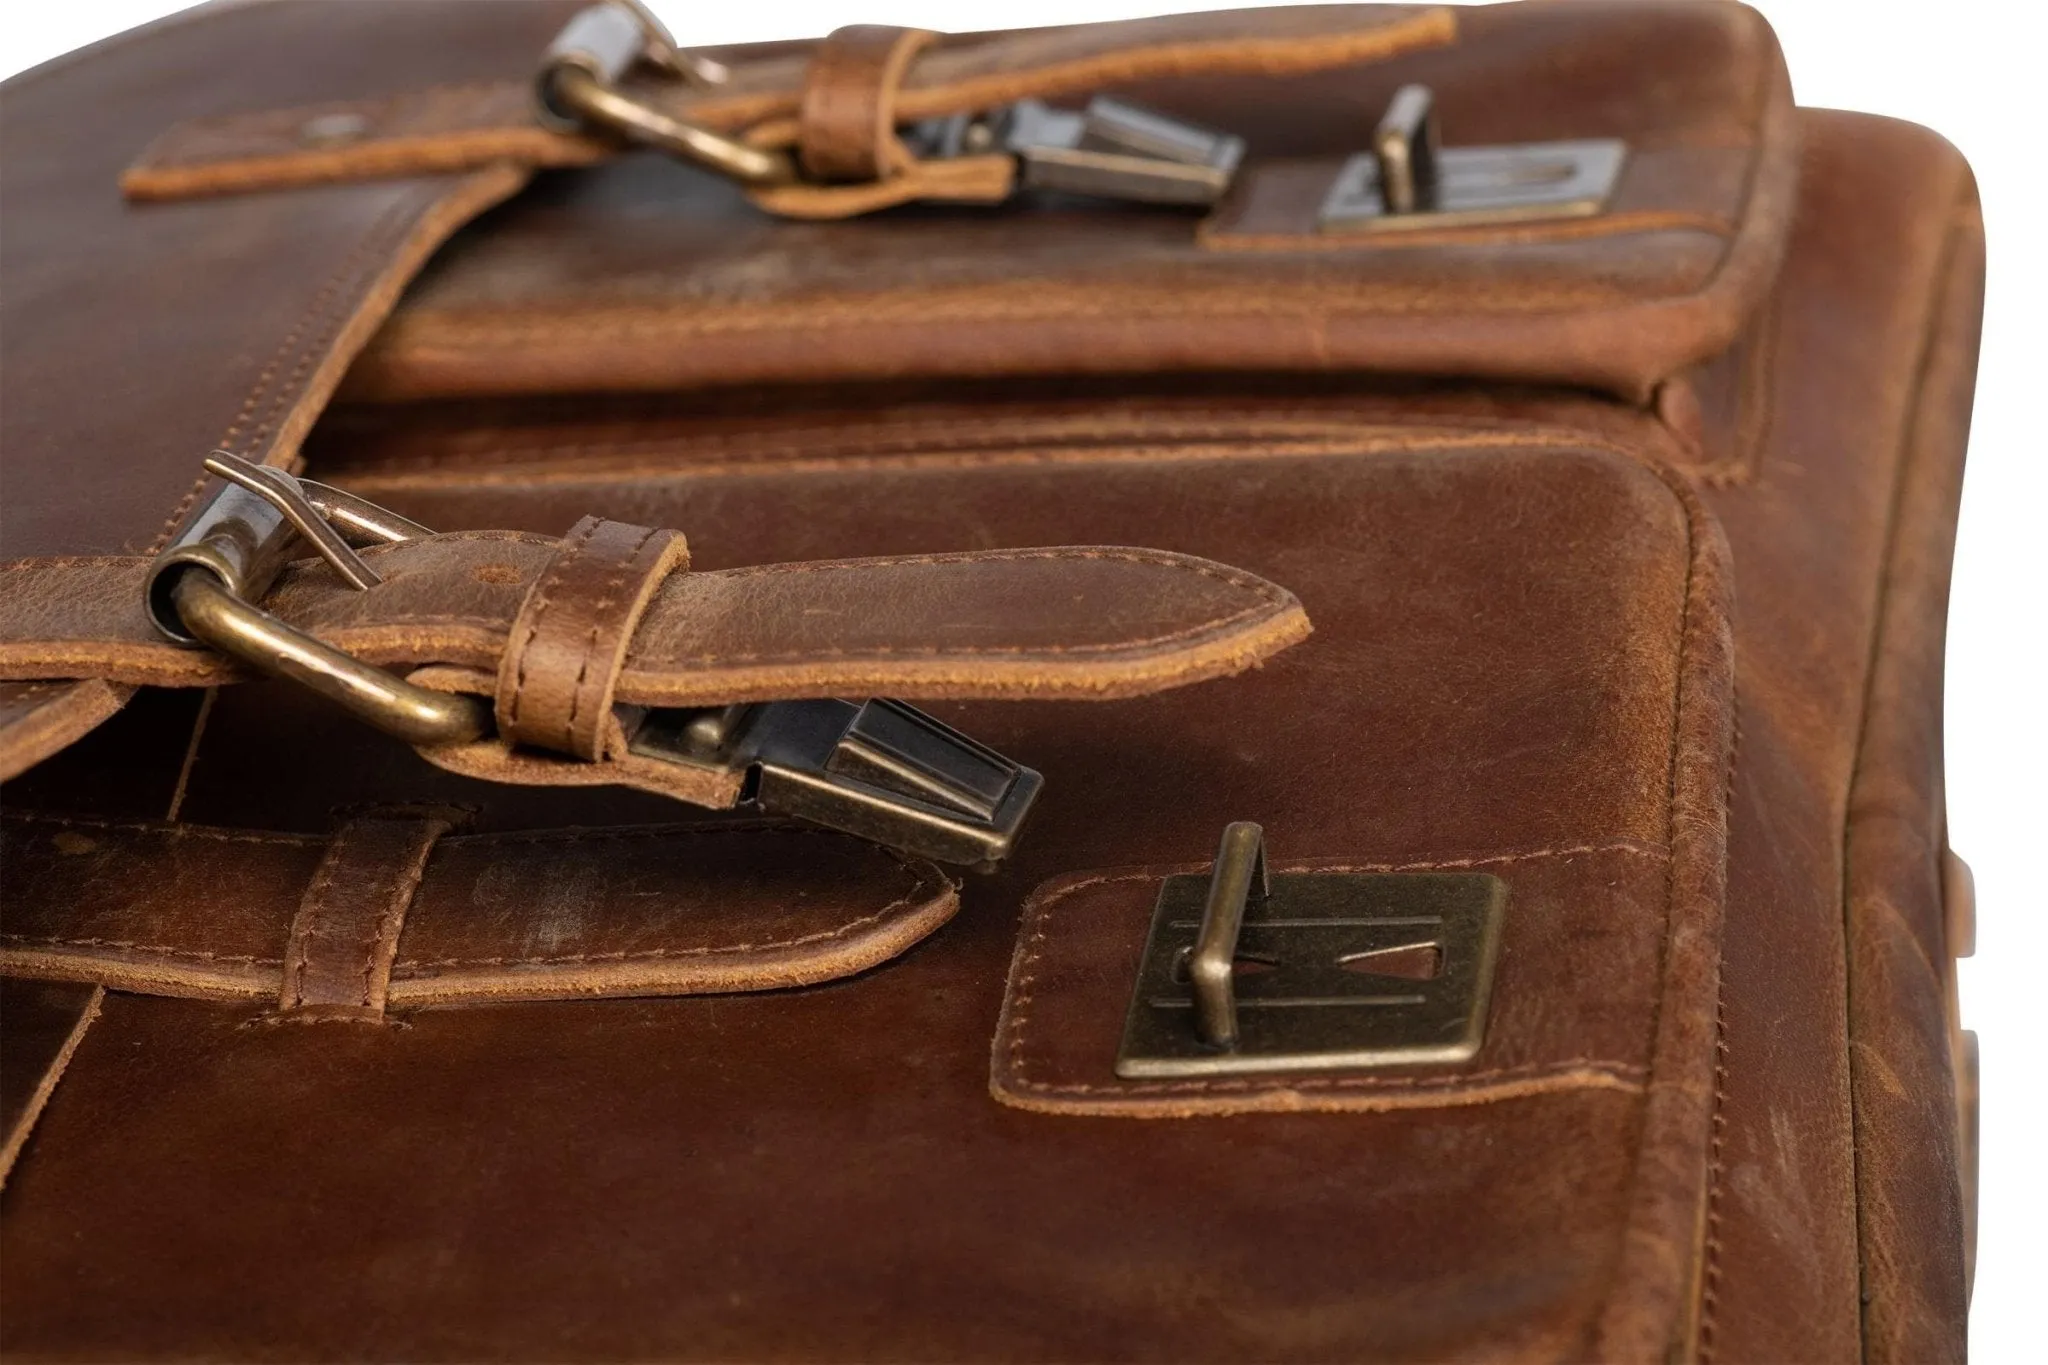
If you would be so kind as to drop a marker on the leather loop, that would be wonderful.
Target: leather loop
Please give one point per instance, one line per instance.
(568, 643)
(337, 963)
(847, 123)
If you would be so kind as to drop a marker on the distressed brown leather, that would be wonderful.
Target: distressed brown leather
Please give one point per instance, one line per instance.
(537, 915)
(1056, 621)
(452, 128)
(1626, 544)
(339, 955)
(560, 670)
(847, 121)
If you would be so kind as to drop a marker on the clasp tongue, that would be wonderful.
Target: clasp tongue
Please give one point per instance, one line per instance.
(878, 769)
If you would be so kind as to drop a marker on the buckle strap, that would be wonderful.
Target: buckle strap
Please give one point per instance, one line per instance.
(561, 666)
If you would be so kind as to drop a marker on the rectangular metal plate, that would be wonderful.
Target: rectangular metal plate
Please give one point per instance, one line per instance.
(1334, 971)
(1478, 185)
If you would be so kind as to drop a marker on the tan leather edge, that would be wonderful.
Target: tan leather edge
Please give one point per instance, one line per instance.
(926, 92)
(111, 639)
(187, 970)
(960, 180)
(533, 148)
(940, 679)
(497, 760)
(774, 969)
(51, 725)
(17, 1135)
(1649, 1302)
(1912, 1222)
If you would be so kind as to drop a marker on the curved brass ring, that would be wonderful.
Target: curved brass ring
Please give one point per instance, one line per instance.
(574, 90)
(214, 614)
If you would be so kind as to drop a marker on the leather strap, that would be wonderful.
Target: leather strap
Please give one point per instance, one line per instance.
(1082, 622)
(337, 962)
(769, 102)
(647, 910)
(847, 125)
(561, 664)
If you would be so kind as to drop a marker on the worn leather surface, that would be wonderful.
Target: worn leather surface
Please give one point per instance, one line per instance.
(674, 280)
(220, 914)
(343, 941)
(44, 1022)
(559, 673)
(821, 1174)
(1060, 621)
(219, 325)
(771, 96)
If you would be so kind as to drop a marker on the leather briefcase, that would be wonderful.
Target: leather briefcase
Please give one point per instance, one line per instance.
(1256, 686)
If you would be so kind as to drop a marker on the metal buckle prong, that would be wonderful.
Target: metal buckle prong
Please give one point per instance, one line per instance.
(203, 588)
(580, 87)
(1240, 879)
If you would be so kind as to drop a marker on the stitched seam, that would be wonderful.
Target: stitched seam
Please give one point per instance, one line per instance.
(323, 301)
(581, 692)
(1888, 574)
(524, 632)
(395, 906)
(1621, 1071)
(1205, 568)
(939, 435)
(166, 830)
(311, 911)
(134, 946)
(918, 885)
(1108, 647)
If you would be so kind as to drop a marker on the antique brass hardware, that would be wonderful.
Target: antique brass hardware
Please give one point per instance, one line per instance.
(878, 769)
(1113, 149)
(1408, 180)
(1249, 972)
(580, 89)
(203, 588)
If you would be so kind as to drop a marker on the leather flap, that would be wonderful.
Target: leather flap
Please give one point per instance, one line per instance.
(641, 275)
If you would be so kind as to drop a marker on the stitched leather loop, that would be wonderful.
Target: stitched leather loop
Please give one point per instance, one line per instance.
(562, 661)
(337, 963)
(848, 118)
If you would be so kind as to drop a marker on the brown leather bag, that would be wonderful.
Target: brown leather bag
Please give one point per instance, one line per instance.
(1495, 472)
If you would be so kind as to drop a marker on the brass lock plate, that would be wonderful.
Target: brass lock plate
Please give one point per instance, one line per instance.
(1329, 971)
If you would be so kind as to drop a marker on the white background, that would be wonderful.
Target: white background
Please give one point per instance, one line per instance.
(1964, 68)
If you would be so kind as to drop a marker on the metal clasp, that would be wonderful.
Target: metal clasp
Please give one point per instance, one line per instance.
(879, 769)
(1311, 971)
(1408, 180)
(580, 88)
(1113, 149)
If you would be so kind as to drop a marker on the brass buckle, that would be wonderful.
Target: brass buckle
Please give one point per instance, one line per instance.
(202, 589)
(1311, 971)
(878, 769)
(1409, 181)
(580, 89)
